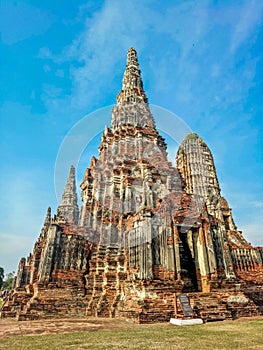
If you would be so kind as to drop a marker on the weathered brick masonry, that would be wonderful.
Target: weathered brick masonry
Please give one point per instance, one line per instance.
(146, 231)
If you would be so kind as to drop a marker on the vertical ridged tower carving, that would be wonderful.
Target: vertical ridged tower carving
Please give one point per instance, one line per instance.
(196, 166)
(68, 209)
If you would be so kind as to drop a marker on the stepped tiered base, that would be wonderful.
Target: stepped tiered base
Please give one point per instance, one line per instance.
(15, 303)
(51, 301)
(218, 306)
(154, 301)
(158, 306)
(256, 294)
(141, 301)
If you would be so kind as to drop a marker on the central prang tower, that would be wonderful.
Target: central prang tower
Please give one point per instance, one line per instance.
(153, 235)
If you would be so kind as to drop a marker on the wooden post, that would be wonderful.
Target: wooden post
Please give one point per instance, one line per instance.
(175, 306)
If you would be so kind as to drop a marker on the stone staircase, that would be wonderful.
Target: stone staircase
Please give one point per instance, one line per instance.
(15, 302)
(46, 302)
(148, 302)
(209, 307)
(218, 306)
(156, 304)
(103, 286)
(255, 293)
(53, 301)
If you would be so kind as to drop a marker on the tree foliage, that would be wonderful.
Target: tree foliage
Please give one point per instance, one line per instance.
(2, 274)
(9, 280)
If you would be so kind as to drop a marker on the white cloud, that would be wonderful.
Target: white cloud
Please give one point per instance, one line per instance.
(253, 232)
(257, 204)
(46, 68)
(249, 19)
(45, 53)
(13, 248)
(99, 49)
(247, 209)
(20, 190)
(170, 41)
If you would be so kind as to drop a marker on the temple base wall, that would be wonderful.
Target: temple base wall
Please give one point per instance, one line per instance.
(140, 301)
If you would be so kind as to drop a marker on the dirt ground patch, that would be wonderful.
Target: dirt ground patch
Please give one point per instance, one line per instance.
(10, 327)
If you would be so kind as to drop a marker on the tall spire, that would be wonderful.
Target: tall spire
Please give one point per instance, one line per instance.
(132, 104)
(48, 217)
(132, 85)
(69, 205)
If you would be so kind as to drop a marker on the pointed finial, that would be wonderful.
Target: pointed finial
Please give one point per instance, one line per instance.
(48, 217)
(72, 171)
(132, 85)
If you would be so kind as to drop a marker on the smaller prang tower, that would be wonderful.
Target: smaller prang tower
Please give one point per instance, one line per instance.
(147, 232)
(196, 165)
(68, 208)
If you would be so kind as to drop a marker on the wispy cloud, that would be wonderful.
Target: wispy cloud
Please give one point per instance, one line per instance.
(23, 210)
(100, 47)
(253, 232)
(247, 210)
(250, 17)
(171, 36)
(14, 247)
(27, 21)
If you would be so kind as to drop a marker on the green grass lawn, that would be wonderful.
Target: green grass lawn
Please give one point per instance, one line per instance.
(210, 336)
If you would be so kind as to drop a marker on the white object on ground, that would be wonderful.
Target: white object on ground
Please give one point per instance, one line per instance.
(180, 322)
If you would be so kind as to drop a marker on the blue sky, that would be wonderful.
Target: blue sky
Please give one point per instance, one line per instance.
(62, 60)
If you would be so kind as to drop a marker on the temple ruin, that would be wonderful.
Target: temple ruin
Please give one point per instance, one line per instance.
(147, 232)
